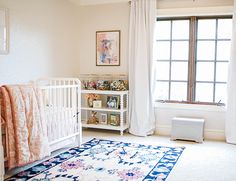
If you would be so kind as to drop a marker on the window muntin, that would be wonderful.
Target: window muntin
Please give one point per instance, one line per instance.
(191, 59)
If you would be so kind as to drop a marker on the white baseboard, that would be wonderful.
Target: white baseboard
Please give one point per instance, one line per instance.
(214, 134)
(211, 134)
(163, 130)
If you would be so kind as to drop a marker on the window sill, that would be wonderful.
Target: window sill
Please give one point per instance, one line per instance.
(193, 107)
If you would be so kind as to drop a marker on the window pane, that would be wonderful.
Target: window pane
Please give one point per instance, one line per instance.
(206, 29)
(162, 70)
(180, 29)
(162, 30)
(180, 50)
(223, 50)
(221, 71)
(178, 91)
(212, 48)
(204, 92)
(205, 71)
(179, 71)
(161, 90)
(221, 93)
(225, 28)
(162, 51)
(205, 50)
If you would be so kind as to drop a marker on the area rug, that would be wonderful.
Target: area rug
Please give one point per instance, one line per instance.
(105, 160)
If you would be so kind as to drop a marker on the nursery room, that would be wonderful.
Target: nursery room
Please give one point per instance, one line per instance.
(118, 90)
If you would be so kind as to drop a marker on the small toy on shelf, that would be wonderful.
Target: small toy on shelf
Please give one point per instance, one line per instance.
(93, 119)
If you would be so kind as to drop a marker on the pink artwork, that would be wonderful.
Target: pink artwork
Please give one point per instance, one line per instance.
(108, 47)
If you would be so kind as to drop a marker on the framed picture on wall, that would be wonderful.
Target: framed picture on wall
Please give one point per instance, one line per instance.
(3, 31)
(108, 48)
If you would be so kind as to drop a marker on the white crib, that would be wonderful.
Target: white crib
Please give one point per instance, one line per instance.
(62, 99)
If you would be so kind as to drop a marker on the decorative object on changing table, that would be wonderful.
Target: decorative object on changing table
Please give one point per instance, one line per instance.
(115, 82)
(113, 102)
(97, 103)
(93, 119)
(103, 85)
(90, 98)
(103, 119)
(115, 119)
(88, 81)
(91, 85)
(119, 85)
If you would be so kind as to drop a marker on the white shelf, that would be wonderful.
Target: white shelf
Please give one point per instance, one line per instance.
(123, 111)
(107, 92)
(105, 126)
(103, 109)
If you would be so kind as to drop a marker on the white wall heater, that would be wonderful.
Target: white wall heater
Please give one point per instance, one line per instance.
(184, 128)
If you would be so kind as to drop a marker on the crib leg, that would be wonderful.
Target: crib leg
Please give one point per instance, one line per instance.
(2, 169)
(79, 139)
(1, 163)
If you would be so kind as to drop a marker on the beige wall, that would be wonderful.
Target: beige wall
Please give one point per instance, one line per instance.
(103, 16)
(116, 16)
(168, 4)
(43, 40)
(98, 18)
(165, 3)
(166, 8)
(44, 36)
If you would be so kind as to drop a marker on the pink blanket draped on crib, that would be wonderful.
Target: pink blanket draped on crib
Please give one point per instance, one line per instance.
(23, 115)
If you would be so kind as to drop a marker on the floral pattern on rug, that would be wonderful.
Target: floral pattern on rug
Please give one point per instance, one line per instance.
(105, 160)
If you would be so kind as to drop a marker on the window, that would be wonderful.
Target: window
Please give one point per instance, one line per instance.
(191, 59)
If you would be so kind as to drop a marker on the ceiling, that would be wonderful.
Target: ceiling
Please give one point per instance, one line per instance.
(93, 2)
(168, 2)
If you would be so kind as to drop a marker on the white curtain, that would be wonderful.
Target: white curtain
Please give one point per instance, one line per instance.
(142, 22)
(230, 124)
